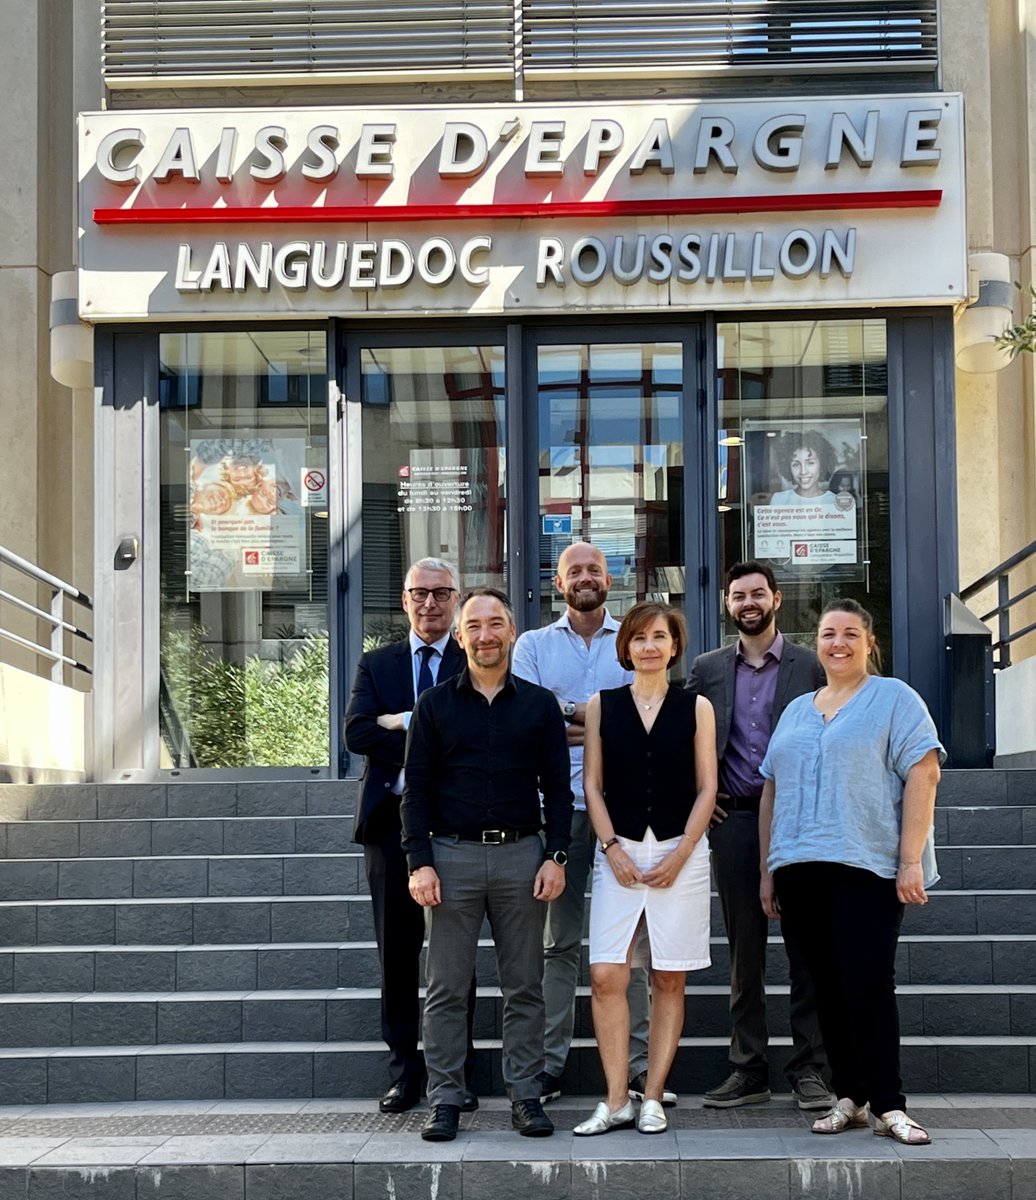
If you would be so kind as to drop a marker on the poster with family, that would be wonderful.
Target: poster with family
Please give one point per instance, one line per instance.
(248, 527)
(804, 484)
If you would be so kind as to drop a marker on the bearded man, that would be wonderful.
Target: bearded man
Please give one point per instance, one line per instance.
(574, 657)
(750, 684)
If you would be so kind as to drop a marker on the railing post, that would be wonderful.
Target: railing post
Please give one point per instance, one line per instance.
(57, 635)
(1003, 597)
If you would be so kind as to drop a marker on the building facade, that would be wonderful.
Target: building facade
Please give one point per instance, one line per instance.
(479, 280)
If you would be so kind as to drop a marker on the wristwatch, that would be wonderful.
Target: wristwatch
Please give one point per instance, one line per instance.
(568, 711)
(559, 856)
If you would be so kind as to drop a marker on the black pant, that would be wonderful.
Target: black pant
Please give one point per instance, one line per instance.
(399, 932)
(845, 923)
(735, 868)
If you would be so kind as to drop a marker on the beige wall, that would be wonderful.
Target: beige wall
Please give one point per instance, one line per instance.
(989, 53)
(49, 62)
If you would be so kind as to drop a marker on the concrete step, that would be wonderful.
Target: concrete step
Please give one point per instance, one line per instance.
(174, 836)
(205, 920)
(992, 787)
(995, 825)
(294, 1070)
(955, 828)
(983, 1149)
(146, 801)
(354, 1014)
(160, 878)
(986, 866)
(977, 959)
(77, 802)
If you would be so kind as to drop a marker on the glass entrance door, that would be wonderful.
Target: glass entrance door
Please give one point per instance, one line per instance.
(243, 524)
(613, 440)
(428, 445)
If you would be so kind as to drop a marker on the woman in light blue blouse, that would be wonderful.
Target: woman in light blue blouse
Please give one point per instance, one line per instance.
(845, 826)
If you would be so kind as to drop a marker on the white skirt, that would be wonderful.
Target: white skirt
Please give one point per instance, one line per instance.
(677, 917)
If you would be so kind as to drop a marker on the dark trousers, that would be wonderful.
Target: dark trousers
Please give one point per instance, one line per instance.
(735, 867)
(399, 932)
(478, 882)
(845, 923)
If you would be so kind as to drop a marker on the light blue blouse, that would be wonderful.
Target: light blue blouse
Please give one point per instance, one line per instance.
(839, 786)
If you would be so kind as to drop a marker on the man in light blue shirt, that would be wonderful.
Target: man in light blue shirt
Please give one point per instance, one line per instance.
(575, 657)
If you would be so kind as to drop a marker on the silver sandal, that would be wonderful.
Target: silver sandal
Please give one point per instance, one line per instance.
(897, 1125)
(845, 1115)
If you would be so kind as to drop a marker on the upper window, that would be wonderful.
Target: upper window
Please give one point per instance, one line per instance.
(181, 43)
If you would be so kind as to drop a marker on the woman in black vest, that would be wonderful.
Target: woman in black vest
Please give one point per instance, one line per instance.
(649, 773)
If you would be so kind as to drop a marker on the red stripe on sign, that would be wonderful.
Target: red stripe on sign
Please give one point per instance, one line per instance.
(372, 213)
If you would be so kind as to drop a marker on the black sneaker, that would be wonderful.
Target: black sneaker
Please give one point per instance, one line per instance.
(528, 1117)
(441, 1123)
(735, 1090)
(550, 1086)
(636, 1090)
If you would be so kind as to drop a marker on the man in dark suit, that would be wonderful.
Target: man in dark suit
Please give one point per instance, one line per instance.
(750, 684)
(388, 680)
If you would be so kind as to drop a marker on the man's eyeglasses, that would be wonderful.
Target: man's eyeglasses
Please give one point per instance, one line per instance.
(440, 595)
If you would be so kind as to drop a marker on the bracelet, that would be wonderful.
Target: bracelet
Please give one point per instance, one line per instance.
(606, 846)
(909, 862)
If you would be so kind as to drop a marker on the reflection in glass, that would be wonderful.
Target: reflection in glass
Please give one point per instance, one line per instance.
(611, 465)
(803, 458)
(433, 471)
(243, 520)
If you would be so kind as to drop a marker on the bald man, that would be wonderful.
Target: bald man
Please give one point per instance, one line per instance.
(575, 657)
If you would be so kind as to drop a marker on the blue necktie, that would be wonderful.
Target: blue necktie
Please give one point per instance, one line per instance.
(424, 675)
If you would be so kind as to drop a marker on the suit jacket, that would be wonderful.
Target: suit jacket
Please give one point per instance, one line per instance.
(384, 683)
(712, 675)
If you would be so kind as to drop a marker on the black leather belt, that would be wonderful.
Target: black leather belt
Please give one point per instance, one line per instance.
(495, 837)
(740, 803)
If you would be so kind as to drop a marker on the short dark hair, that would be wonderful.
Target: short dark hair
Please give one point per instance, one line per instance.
(741, 569)
(847, 605)
(639, 617)
(494, 593)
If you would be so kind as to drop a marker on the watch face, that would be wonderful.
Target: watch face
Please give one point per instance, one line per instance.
(560, 857)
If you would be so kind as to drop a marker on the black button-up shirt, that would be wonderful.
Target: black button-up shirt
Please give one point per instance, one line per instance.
(471, 765)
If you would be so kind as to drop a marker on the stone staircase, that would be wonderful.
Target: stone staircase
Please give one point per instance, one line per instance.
(214, 941)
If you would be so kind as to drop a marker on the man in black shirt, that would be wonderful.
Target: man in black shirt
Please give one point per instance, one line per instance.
(480, 749)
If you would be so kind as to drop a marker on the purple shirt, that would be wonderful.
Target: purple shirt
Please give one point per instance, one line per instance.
(751, 722)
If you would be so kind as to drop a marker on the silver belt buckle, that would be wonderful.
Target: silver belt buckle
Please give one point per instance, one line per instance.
(492, 837)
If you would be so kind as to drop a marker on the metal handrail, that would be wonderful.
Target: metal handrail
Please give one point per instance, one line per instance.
(55, 617)
(1000, 575)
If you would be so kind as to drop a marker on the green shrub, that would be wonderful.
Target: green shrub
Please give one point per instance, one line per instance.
(262, 714)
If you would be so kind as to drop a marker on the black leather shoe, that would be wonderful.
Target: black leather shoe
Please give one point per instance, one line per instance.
(401, 1096)
(528, 1117)
(441, 1124)
(470, 1102)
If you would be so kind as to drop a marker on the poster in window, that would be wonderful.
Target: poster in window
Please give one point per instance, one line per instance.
(248, 527)
(804, 486)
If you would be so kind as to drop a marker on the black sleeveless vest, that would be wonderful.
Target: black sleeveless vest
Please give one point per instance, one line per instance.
(648, 777)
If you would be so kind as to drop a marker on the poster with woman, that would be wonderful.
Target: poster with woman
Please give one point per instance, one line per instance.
(248, 528)
(805, 504)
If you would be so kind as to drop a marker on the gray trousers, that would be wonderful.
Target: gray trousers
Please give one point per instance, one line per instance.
(563, 948)
(477, 882)
(735, 868)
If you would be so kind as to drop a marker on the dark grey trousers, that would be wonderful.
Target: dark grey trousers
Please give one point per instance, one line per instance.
(735, 868)
(477, 882)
